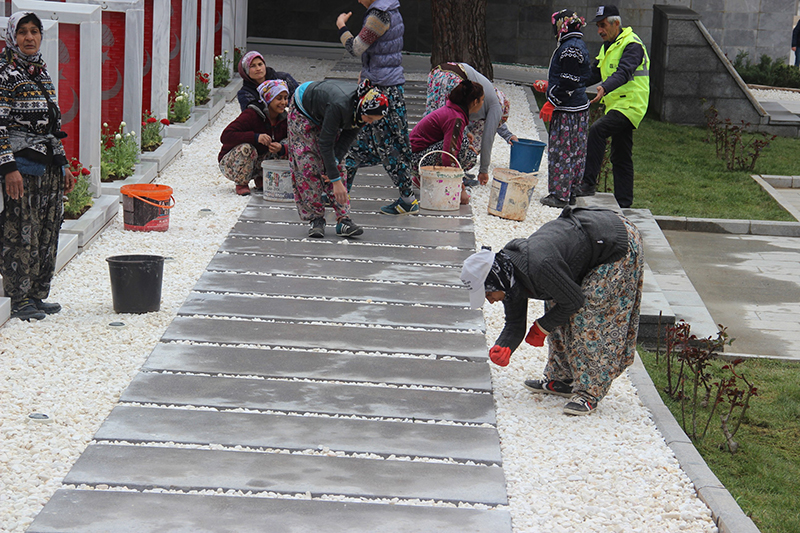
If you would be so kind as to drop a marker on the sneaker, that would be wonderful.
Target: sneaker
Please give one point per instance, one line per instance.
(470, 180)
(559, 388)
(49, 308)
(26, 310)
(242, 190)
(552, 201)
(401, 207)
(572, 199)
(579, 405)
(348, 228)
(317, 229)
(259, 184)
(585, 190)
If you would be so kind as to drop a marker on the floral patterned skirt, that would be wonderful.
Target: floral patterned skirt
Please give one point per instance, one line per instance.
(566, 152)
(599, 341)
(242, 164)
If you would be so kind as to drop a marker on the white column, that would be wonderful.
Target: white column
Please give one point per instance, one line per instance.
(159, 78)
(188, 43)
(240, 26)
(228, 22)
(207, 37)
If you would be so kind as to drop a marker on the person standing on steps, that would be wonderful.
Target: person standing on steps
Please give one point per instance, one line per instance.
(34, 173)
(379, 45)
(624, 68)
(567, 109)
(588, 267)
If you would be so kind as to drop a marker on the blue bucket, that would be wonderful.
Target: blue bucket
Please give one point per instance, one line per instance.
(526, 155)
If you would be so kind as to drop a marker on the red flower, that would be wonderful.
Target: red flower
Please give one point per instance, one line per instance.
(150, 120)
(74, 174)
(85, 171)
(144, 124)
(165, 121)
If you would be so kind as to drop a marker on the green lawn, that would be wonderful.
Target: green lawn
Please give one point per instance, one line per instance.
(764, 475)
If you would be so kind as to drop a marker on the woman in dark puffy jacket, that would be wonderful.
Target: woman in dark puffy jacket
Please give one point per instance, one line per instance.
(567, 109)
(588, 267)
(254, 71)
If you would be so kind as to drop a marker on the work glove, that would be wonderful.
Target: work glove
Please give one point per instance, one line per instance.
(540, 86)
(546, 112)
(536, 335)
(500, 355)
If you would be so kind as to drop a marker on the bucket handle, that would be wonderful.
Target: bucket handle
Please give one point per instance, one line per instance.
(145, 200)
(421, 159)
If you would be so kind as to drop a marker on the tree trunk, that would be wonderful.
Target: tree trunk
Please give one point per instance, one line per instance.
(459, 34)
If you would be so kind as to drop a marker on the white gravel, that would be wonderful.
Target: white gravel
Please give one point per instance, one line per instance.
(774, 95)
(608, 472)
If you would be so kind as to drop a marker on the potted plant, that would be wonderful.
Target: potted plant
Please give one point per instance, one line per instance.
(222, 70)
(79, 200)
(180, 105)
(119, 153)
(201, 88)
(151, 131)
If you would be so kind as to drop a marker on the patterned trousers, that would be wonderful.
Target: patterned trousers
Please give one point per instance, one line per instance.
(566, 152)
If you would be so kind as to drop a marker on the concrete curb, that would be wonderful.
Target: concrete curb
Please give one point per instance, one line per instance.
(736, 227)
(727, 514)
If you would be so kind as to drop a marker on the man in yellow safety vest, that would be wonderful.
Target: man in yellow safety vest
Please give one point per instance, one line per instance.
(623, 66)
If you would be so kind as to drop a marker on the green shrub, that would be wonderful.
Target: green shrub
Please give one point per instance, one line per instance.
(119, 153)
(768, 71)
(222, 70)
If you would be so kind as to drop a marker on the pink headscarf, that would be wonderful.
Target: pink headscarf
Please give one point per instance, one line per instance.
(244, 64)
(269, 89)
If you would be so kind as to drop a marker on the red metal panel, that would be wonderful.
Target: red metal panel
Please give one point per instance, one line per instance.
(113, 82)
(69, 73)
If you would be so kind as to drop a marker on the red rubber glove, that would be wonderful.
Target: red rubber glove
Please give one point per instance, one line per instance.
(500, 355)
(536, 335)
(540, 86)
(547, 112)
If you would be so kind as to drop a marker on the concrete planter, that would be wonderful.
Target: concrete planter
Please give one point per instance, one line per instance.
(214, 105)
(189, 129)
(92, 222)
(231, 89)
(171, 147)
(143, 172)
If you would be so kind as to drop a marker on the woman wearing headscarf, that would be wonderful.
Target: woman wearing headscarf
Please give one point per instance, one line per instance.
(567, 109)
(485, 122)
(258, 133)
(254, 71)
(33, 170)
(379, 45)
(324, 119)
(587, 265)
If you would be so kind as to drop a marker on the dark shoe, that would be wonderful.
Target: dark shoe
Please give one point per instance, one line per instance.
(259, 184)
(326, 201)
(317, 229)
(552, 201)
(585, 190)
(573, 199)
(242, 190)
(348, 228)
(470, 180)
(559, 388)
(579, 405)
(401, 207)
(26, 310)
(49, 308)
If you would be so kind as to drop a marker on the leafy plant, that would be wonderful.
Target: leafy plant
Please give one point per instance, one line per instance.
(222, 69)
(768, 71)
(738, 147)
(180, 105)
(237, 55)
(201, 88)
(151, 131)
(80, 198)
(691, 382)
(119, 153)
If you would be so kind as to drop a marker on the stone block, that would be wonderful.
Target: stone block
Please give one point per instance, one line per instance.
(740, 21)
(714, 24)
(776, 228)
(726, 512)
(779, 6)
(718, 225)
(737, 109)
(687, 58)
(144, 172)
(671, 223)
(742, 6)
(685, 33)
(5, 307)
(92, 222)
(171, 147)
(189, 129)
(705, 6)
(686, 85)
(683, 111)
(67, 249)
(779, 182)
(723, 85)
(767, 40)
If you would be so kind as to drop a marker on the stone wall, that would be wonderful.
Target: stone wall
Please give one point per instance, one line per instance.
(519, 31)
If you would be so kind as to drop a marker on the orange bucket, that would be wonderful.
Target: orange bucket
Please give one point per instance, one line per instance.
(145, 206)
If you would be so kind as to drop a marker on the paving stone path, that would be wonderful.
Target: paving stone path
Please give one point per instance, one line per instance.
(308, 385)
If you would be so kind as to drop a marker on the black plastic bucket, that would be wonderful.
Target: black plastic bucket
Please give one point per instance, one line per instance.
(136, 282)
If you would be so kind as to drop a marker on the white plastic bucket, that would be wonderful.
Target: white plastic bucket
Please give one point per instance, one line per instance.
(440, 187)
(510, 193)
(277, 180)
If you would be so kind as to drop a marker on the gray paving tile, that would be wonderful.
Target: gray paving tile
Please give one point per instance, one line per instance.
(263, 430)
(73, 511)
(406, 237)
(302, 364)
(461, 345)
(374, 206)
(310, 397)
(144, 467)
(276, 308)
(353, 290)
(368, 220)
(315, 267)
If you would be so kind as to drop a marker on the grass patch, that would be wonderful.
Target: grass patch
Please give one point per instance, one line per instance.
(764, 475)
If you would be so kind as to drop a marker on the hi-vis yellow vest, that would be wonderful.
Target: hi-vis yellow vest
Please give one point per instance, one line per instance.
(630, 99)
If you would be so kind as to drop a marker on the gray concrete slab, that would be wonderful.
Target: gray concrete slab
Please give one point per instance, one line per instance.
(73, 511)
(352, 289)
(372, 220)
(287, 432)
(358, 206)
(374, 313)
(396, 236)
(332, 269)
(459, 345)
(310, 397)
(144, 467)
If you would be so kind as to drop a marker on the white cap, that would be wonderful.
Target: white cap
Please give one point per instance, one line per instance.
(473, 275)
